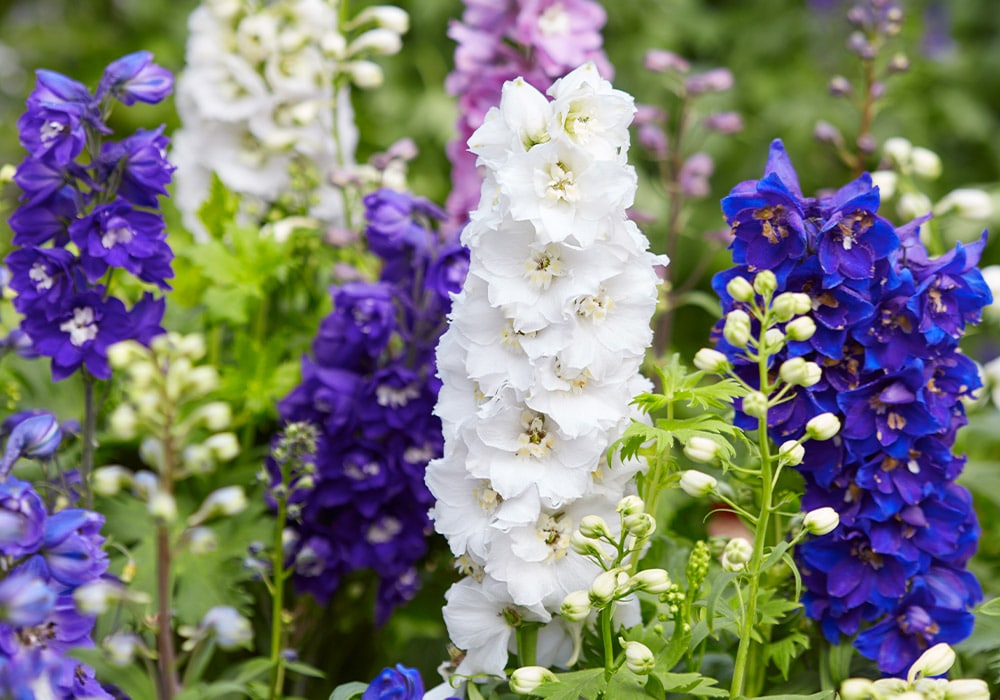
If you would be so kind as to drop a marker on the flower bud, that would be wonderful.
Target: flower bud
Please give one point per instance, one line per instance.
(821, 521)
(151, 452)
(594, 526)
(739, 289)
(933, 662)
(33, 436)
(383, 42)
(526, 679)
(109, 480)
(802, 328)
(786, 305)
(736, 554)
(792, 452)
(856, 689)
(192, 346)
(630, 505)
(121, 354)
(585, 546)
(202, 379)
(798, 372)
(602, 590)
(898, 150)
(389, 16)
(162, 507)
(95, 597)
(121, 648)
(966, 202)
(736, 330)
(231, 629)
(640, 525)
(216, 415)
(925, 163)
(365, 74)
(201, 540)
(701, 449)
(197, 459)
(774, 340)
(765, 283)
(229, 500)
(823, 427)
(886, 181)
(575, 606)
(889, 687)
(967, 689)
(697, 484)
(123, 421)
(755, 404)
(913, 204)
(638, 658)
(709, 360)
(651, 581)
(223, 446)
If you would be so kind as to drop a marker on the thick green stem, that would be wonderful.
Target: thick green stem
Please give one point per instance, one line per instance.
(609, 652)
(527, 645)
(278, 604)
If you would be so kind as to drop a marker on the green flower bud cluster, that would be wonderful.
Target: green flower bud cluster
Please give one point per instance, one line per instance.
(919, 682)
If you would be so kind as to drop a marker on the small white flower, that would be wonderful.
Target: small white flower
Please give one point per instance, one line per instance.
(230, 629)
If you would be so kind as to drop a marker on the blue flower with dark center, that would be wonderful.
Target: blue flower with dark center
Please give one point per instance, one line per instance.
(141, 163)
(53, 132)
(44, 220)
(42, 277)
(853, 237)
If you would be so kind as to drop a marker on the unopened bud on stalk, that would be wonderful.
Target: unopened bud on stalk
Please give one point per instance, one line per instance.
(967, 689)
(926, 163)
(737, 553)
(802, 328)
(736, 330)
(792, 452)
(594, 526)
(95, 597)
(856, 689)
(821, 521)
(201, 540)
(697, 484)
(575, 606)
(602, 590)
(701, 449)
(790, 304)
(630, 505)
(585, 546)
(651, 581)
(798, 372)
(765, 283)
(365, 74)
(640, 525)
(121, 648)
(123, 421)
(709, 360)
(229, 500)
(755, 404)
(383, 42)
(223, 446)
(109, 480)
(388, 16)
(526, 679)
(934, 662)
(774, 340)
(740, 289)
(823, 427)
(162, 507)
(638, 658)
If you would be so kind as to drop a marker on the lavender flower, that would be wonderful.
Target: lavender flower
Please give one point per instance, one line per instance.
(888, 320)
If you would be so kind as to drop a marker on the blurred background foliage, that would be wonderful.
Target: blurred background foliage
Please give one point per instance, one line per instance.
(782, 54)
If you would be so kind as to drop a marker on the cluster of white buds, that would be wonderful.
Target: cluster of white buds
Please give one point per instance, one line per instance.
(920, 682)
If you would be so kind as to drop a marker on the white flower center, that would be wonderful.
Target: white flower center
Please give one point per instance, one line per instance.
(555, 532)
(418, 455)
(534, 441)
(561, 184)
(384, 531)
(487, 498)
(554, 21)
(117, 234)
(363, 471)
(81, 327)
(390, 396)
(51, 130)
(467, 566)
(594, 306)
(40, 276)
(543, 266)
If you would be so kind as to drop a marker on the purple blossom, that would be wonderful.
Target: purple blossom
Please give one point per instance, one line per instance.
(42, 277)
(142, 161)
(36, 436)
(400, 683)
(25, 600)
(22, 518)
(53, 132)
(135, 78)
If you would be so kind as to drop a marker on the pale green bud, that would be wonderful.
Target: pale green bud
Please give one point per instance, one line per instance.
(887, 181)
(701, 449)
(934, 662)
(638, 658)
(594, 526)
(197, 459)
(651, 581)
(526, 679)
(792, 452)
(801, 328)
(7, 172)
(201, 540)
(925, 163)
(898, 150)
(798, 372)
(223, 446)
(736, 330)
(202, 379)
(736, 554)
(913, 204)
(697, 484)
(162, 507)
(121, 354)
(123, 421)
(388, 16)
(95, 597)
(151, 452)
(966, 202)
(967, 689)
(774, 340)
(365, 74)
(856, 689)
(193, 346)
(640, 524)
(229, 500)
(765, 283)
(109, 480)
(823, 427)
(121, 648)
(630, 505)
(576, 606)
(787, 305)
(739, 289)
(755, 404)
(333, 45)
(821, 521)
(585, 546)
(709, 360)
(889, 687)
(380, 41)
(602, 590)
(215, 415)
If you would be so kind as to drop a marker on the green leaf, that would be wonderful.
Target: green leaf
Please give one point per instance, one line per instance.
(821, 695)
(783, 651)
(771, 608)
(690, 684)
(990, 607)
(304, 669)
(250, 670)
(348, 691)
(625, 685)
(587, 684)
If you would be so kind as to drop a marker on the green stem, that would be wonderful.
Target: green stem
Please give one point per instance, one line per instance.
(89, 437)
(278, 603)
(609, 652)
(740, 670)
(527, 644)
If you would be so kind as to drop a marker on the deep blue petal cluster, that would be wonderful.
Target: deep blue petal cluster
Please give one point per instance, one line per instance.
(370, 388)
(888, 319)
(399, 683)
(46, 558)
(103, 196)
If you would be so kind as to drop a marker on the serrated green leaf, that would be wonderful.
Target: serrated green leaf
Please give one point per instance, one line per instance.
(626, 685)
(690, 684)
(589, 684)
(783, 651)
(347, 691)
(771, 609)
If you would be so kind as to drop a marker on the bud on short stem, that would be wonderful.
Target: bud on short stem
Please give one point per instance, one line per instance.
(802, 328)
(594, 526)
(709, 360)
(701, 449)
(792, 452)
(736, 330)
(755, 404)
(934, 662)
(638, 658)
(651, 581)
(526, 679)
(821, 521)
(765, 283)
(823, 427)
(575, 606)
(739, 289)
(697, 484)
